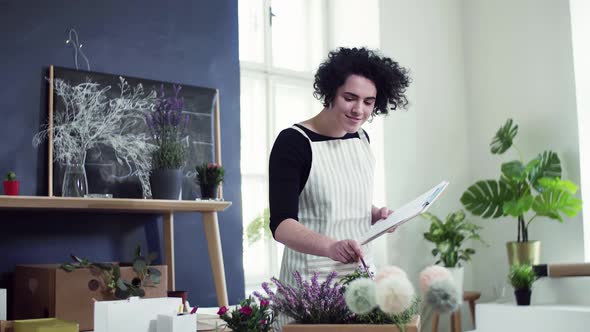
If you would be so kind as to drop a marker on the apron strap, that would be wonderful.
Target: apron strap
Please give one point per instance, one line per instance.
(301, 131)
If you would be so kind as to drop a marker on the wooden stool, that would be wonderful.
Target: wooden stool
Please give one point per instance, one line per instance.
(468, 296)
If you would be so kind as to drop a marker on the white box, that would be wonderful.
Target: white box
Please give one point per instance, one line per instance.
(133, 314)
(2, 304)
(177, 323)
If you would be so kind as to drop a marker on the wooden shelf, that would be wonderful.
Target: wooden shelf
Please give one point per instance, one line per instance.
(110, 204)
(166, 208)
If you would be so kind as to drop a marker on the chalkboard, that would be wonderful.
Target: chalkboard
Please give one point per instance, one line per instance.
(108, 176)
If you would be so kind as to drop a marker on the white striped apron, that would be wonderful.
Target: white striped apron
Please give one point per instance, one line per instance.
(336, 201)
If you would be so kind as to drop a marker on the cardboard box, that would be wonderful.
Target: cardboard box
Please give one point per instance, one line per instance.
(42, 291)
(45, 325)
(134, 314)
(413, 326)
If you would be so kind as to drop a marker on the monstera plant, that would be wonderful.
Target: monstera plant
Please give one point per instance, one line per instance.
(525, 190)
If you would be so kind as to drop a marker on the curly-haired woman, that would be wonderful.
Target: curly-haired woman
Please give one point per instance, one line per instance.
(321, 169)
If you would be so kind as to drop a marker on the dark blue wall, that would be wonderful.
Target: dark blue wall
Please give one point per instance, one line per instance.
(189, 42)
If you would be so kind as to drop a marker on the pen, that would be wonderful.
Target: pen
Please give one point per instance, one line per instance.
(366, 268)
(194, 309)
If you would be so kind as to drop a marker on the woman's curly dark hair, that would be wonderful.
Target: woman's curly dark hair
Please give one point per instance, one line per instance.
(389, 78)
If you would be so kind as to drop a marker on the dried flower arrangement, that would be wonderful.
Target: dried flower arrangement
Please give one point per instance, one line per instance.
(91, 119)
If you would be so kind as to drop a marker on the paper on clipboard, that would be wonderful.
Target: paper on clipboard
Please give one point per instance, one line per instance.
(404, 213)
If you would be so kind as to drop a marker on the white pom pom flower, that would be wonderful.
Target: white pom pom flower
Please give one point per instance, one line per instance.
(443, 296)
(360, 296)
(394, 294)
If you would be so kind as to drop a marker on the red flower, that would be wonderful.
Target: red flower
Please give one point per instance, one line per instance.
(246, 311)
(264, 303)
(263, 322)
(212, 165)
(222, 311)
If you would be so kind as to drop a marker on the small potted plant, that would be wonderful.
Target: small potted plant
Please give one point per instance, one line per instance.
(11, 184)
(209, 176)
(522, 278)
(249, 316)
(168, 126)
(449, 236)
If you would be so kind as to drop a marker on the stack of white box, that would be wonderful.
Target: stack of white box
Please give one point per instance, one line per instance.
(2, 304)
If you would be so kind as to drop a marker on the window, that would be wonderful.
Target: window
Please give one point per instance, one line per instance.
(281, 44)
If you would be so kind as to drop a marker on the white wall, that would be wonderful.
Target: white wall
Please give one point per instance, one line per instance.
(518, 64)
(580, 11)
(429, 142)
(474, 64)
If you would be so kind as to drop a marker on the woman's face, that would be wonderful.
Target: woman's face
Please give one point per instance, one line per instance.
(353, 103)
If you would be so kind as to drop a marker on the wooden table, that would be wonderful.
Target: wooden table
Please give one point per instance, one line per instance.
(166, 208)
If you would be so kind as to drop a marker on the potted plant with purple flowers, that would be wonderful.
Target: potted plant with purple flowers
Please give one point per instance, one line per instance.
(168, 127)
(209, 176)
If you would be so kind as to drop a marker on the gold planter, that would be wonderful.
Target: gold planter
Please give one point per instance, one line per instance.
(524, 252)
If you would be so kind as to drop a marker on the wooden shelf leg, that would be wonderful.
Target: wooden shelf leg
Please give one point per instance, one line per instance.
(456, 321)
(168, 225)
(215, 256)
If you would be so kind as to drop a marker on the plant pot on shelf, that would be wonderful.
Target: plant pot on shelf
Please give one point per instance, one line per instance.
(524, 252)
(523, 296)
(11, 187)
(166, 184)
(209, 191)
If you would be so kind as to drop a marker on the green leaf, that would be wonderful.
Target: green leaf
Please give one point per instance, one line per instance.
(514, 170)
(504, 137)
(139, 265)
(68, 267)
(121, 285)
(258, 228)
(154, 271)
(138, 292)
(121, 294)
(76, 258)
(116, 272)
(155, 278)
(434, 252)
(486, 198)
(518, 207)
(558, 184)
(548, 165)
(552, 202)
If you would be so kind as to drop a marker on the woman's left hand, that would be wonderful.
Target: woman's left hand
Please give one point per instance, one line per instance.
(380, 214)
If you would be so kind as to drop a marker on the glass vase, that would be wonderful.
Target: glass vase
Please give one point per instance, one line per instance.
(75, 183)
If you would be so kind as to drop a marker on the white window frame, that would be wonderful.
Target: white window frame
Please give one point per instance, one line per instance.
(272, 75)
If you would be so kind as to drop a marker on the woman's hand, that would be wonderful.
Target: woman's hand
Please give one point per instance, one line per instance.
(380, 214)
(345, 251)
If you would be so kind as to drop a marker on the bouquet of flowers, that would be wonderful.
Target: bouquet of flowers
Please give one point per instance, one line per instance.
(249, 316)
(210, 174)
(360, 298)
(168, 127)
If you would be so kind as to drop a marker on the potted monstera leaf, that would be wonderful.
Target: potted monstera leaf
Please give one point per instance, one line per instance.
(525, 191)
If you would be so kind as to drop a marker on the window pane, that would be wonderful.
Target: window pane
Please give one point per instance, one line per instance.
(253, 124)
(297, 34)
(254, 201)
(251, 27)
(293, 103)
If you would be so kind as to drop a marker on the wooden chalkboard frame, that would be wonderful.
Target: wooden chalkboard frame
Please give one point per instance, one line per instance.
(216, 127)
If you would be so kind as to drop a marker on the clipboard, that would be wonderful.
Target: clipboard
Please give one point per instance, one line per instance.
(404, 213)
